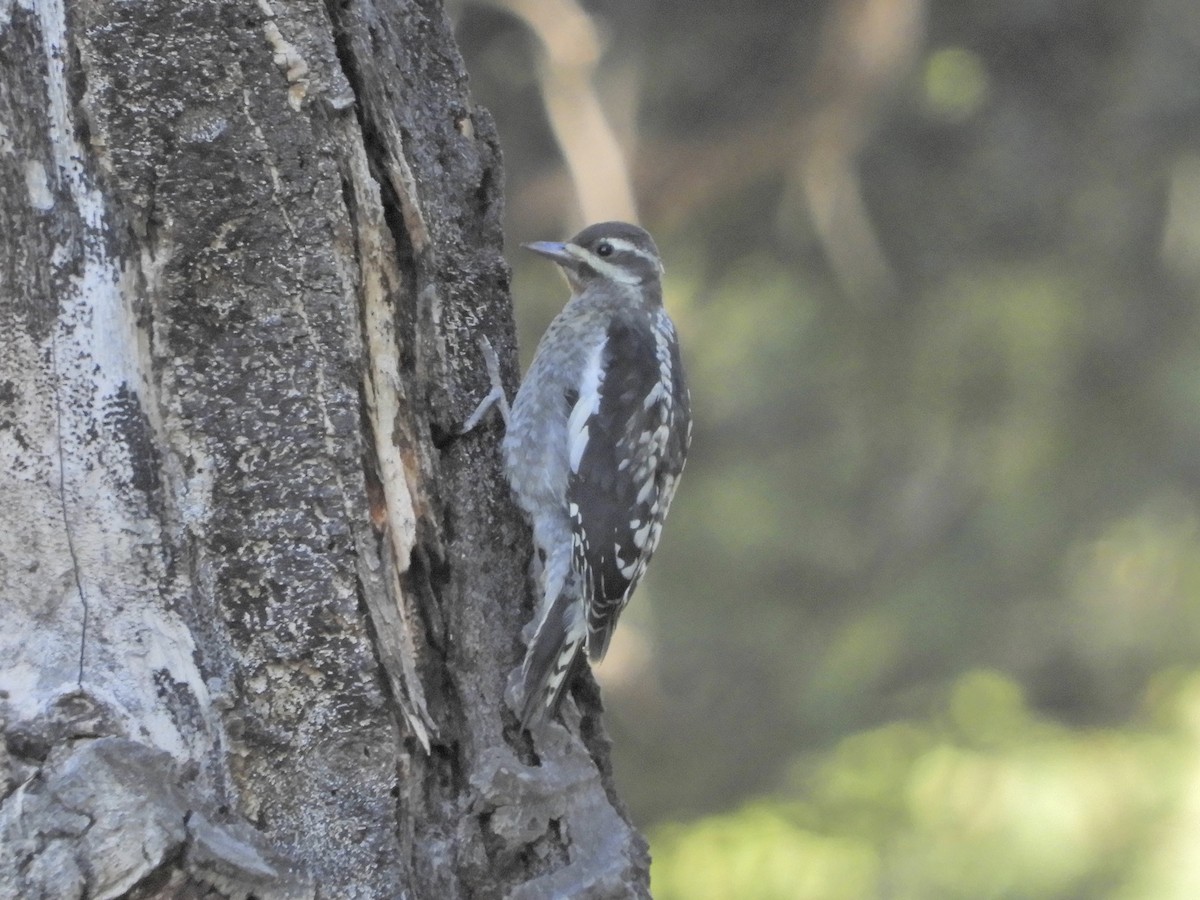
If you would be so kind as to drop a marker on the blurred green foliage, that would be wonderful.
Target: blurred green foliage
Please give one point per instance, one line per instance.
(982, 800)
(926, 618)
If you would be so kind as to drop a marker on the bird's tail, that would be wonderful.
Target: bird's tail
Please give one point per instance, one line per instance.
(551, 659)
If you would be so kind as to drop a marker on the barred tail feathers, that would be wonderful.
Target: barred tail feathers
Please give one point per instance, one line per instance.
(601, 623)
(551, 658)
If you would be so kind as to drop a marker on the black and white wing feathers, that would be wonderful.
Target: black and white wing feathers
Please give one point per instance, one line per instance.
(628, 436)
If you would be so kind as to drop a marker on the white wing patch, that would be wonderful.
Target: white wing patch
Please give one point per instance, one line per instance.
(586, 406)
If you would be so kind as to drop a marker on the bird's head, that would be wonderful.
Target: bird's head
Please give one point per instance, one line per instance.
(609, 252)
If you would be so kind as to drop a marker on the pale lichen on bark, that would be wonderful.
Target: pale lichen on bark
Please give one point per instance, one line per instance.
(82, 384)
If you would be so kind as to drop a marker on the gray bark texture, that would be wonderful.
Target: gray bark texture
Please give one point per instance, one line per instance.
(258, 604)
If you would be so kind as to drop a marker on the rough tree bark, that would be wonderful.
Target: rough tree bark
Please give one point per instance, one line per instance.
(258, 605)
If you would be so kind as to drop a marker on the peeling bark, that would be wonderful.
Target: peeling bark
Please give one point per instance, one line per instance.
(260, 607)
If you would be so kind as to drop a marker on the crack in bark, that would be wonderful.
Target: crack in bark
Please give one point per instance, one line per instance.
(383, 271)
(62, 498)
(411, 233)
(395, 524)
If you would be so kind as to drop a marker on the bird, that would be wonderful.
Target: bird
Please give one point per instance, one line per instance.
(595, 444)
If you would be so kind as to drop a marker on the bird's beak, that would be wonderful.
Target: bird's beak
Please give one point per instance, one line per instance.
(555, 250)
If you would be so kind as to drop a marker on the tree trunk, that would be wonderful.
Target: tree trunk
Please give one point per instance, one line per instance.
(259, 605)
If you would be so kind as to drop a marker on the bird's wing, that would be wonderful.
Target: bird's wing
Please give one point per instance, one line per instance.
(626, 448)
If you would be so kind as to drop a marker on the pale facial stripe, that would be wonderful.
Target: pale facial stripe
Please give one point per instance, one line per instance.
(613, 273)
(630, 247)
(610, 271)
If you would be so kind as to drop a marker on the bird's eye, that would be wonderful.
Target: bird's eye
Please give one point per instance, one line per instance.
(604, 248)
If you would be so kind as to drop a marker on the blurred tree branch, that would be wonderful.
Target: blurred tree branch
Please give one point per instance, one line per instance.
(572, 49)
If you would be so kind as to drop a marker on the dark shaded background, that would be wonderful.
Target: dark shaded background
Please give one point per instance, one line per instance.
(926, 619)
